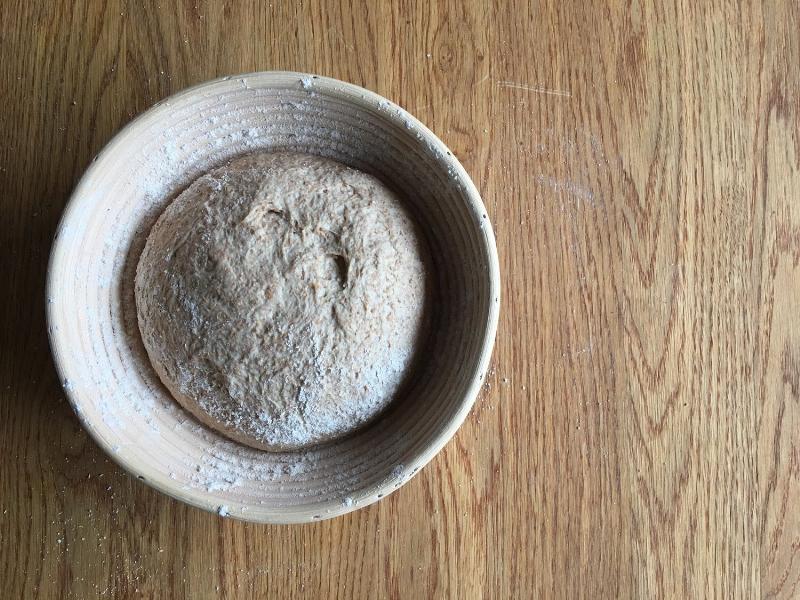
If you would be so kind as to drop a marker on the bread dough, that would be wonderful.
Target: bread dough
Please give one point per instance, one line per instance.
(281, 298)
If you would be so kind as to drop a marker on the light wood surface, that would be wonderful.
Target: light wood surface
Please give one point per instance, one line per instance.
(640, 434)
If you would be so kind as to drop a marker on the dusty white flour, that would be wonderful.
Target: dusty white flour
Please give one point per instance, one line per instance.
(280, 299)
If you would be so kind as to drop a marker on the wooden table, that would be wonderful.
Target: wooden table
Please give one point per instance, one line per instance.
(639, 436)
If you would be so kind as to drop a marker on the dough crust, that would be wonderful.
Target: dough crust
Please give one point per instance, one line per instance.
(281, 298)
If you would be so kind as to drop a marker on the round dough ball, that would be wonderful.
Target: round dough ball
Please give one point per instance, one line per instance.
(281, 298)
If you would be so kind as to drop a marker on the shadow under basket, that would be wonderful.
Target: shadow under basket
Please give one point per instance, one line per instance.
(91, 311)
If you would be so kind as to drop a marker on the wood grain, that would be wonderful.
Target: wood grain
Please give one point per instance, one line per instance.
(640, 434)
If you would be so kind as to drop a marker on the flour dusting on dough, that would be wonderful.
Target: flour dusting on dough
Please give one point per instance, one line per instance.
(281, 299)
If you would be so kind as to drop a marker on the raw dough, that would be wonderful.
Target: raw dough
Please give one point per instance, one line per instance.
(281, 298)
